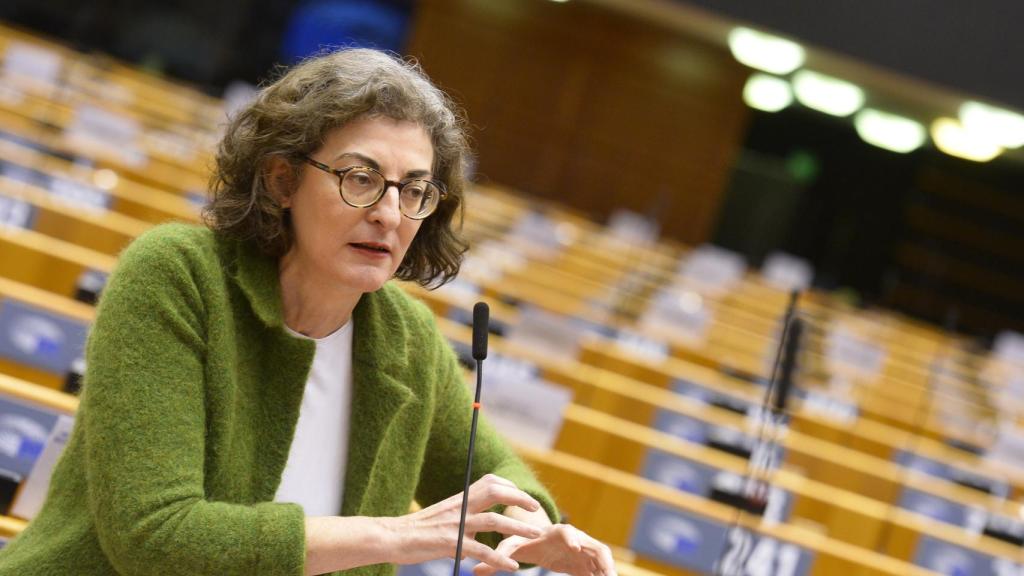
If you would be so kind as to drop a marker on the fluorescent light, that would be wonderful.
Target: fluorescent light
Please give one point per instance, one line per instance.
(954, 140)
(827, 94)
(997, 125)
(767, 93)
(889, 131)
(764, 51)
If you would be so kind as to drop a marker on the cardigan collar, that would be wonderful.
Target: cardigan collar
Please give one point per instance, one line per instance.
(257, 276)
(381, 352)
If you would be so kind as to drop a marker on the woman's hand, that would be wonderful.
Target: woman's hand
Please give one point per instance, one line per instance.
(432, 532)
(562, 548)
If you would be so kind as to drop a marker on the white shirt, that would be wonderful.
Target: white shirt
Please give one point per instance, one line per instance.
(314, 476)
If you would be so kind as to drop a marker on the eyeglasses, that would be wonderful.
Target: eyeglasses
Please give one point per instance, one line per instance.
(362, 187)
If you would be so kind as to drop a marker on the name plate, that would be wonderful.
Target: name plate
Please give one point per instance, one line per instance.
(776, 425)
(171, 144)
(24, 142)
(520, 404)
(642, 346)
(633, 227)
(33, 491)
(16, 213)
(535, 228)
(34, 61)
(764, 454)
(64, 190)
(684, 539)
(979, 482)
(39, 338)
(713, 269)
(966, 478)
(981, 521)
(681, 312)
(553, 335)
(699, 478)
(115, 134)
(934, 507)
(828, 407)
(953, 560)
(592, 328)
(965, 446)
(787, 272)
(845, 348)
(681, 426)
(24, 429)
(921, 464)
(20, 173)
(707, 395)
(79, 194)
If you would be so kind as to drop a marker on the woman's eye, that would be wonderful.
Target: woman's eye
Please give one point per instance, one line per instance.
(414, 191)
(361, 178)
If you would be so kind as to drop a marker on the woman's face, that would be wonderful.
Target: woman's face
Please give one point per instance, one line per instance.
(358, 248)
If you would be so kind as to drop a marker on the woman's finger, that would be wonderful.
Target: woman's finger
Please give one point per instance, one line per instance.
(494, 479)
(493, 522)
(483, 497)
(482, 569)
(601, 554)
(494, 483)
(489, 556)
(508, 547)
(571, 536)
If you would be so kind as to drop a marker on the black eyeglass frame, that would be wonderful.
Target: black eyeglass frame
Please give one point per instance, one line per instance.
(387, 184)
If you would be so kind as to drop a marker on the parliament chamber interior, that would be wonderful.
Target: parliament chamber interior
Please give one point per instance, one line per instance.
(756, 303)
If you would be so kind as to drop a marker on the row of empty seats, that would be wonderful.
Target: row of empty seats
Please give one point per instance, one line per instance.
(661, 426)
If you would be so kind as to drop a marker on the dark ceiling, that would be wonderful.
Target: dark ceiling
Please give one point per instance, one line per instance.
(973, 46)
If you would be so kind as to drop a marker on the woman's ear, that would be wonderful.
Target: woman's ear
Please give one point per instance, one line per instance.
(279, 178)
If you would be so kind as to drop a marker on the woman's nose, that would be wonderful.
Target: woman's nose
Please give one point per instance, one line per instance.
(386, 211)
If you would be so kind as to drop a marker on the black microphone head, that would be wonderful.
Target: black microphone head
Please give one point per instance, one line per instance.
(481, 317)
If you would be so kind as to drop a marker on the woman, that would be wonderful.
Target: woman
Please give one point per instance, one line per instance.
(259, 400)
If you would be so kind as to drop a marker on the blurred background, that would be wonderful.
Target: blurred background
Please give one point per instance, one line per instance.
(653, 179)
(664, 108)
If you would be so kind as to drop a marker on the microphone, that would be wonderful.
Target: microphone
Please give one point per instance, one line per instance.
(481, 317)
(755, 487)
(792, 348)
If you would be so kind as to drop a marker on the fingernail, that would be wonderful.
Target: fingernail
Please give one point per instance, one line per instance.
(536, 532)
(514, 565)
(536, 506)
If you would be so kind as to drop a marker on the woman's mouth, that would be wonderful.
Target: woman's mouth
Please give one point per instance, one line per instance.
(372, 249)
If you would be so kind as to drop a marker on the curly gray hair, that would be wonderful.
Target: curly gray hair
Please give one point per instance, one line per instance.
(291, 117)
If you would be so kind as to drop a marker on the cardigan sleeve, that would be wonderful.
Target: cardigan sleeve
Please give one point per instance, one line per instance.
(444, 468)
(144, 420)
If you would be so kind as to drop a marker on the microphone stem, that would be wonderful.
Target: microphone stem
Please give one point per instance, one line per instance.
(469, 467)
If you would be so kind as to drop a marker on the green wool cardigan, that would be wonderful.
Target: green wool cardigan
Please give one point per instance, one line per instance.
(189, 406)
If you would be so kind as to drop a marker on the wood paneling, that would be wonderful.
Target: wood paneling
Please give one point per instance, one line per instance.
(577, 103)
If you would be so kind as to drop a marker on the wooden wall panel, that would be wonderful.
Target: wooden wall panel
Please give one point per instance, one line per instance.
(583, 105)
